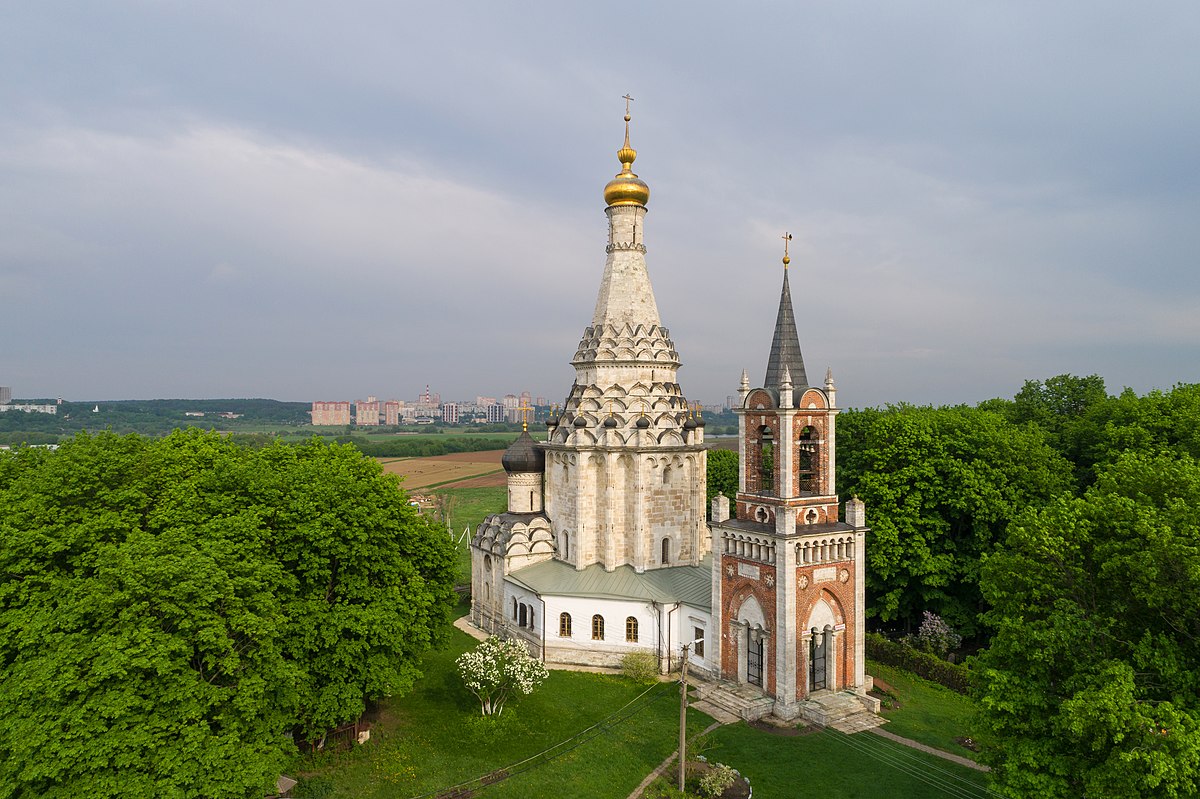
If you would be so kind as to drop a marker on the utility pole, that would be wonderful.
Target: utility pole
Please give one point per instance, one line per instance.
(683, 716)
(683, 711)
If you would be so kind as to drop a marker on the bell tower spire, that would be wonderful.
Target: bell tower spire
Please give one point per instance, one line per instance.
(785, 344)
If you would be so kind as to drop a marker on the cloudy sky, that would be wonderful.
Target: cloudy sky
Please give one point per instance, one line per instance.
(328, 200)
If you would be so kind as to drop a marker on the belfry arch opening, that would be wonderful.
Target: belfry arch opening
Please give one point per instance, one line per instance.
(766, 459)
(808, 461)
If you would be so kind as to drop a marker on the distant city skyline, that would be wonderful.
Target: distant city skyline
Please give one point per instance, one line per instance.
(295, 202)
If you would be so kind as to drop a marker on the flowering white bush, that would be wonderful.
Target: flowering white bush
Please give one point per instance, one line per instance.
(498, 667)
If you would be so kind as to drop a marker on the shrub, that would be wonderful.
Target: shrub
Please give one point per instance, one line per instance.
(952, 675)
(640, 666)
(718, 780)
(497, 669)
(936, 636)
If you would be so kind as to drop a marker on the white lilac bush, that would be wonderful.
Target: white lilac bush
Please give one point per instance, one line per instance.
(496, 669)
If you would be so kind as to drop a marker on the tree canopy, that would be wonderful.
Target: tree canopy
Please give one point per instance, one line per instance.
(941, 485)
(721, 475)
(1091, 684)
(173, 612)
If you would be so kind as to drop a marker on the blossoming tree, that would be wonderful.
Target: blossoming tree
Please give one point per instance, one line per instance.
(496, 669)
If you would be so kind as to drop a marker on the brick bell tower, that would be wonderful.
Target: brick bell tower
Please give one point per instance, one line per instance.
(788, 581)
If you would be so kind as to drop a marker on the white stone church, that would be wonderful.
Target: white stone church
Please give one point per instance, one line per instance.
(605, 548)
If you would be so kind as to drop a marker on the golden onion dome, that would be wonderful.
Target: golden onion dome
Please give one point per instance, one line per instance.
(626, 188)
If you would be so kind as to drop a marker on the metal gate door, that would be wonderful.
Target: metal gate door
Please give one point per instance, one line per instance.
(754, 663)
(817, 649)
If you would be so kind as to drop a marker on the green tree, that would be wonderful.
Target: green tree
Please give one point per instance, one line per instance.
(941, 485)
(1091, 684)
(721, 474)
(171, 610)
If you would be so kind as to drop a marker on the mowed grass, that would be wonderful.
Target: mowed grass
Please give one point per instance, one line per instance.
(435, 738)
(836, 766)
(927, 712)
(468, 508)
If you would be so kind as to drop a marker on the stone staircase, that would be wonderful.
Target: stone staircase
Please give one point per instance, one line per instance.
(844, 711)
(727, 702)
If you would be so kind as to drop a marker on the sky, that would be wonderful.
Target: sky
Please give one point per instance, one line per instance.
(308, 201)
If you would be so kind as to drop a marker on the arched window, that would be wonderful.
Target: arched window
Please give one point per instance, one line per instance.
(766, 459)
(514, 608)
(564, 625)
(566, 545)
(666, 475)
(631, 631)
(666, 551)
(524, 616)
(487, 562)
(597, 627)
(806, 460)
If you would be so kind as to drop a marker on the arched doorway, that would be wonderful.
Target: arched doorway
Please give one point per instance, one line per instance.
(822, 660)
(751, 635)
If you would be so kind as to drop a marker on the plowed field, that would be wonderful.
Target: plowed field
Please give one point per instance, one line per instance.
(460, 469)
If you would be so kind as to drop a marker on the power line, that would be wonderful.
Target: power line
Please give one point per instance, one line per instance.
(621, 715)
(906, 760)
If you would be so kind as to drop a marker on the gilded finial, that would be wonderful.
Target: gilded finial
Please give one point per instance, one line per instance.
(786, 260)
(524, 409)
(626, 188)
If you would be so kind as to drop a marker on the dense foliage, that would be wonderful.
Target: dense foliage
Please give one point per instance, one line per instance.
(924, 664)
(1091, 684)
(150, 417)
(940, 485)
(174, 611)
(425, 447)
(721, 476)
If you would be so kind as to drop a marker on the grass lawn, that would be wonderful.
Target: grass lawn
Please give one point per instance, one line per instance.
(470, 507)
(928, 712)
(836, 766)
(435, 738)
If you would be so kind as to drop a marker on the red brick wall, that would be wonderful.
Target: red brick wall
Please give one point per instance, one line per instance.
(735, 589)
(840, 596)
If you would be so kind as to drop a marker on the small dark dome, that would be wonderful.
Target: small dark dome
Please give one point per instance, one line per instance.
(643, 422)
(580, 422)
(551, 422)
(523, 455)
(700, 422)
(690, 424)
(610, 421)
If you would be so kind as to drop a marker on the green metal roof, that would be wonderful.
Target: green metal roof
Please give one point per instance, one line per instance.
(691, 585)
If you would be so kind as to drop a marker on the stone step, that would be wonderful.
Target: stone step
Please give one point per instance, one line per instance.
(829, 709)
(742, 701)
(858, 722)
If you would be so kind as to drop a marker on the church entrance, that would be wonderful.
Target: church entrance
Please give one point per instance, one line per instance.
(754, 662)
(818, 656)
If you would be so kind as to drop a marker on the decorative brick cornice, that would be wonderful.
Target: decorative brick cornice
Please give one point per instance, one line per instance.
(625, 246)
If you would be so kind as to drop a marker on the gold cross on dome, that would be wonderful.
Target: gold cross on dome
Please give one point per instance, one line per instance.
(627, 100)
(787, 237)
(524, 409)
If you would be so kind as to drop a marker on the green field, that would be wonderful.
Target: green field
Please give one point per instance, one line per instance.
(549, 745)
(468, 507)
(435, 738)
(926, 712)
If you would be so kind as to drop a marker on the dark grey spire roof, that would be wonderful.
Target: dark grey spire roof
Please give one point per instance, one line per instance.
(785, 346)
